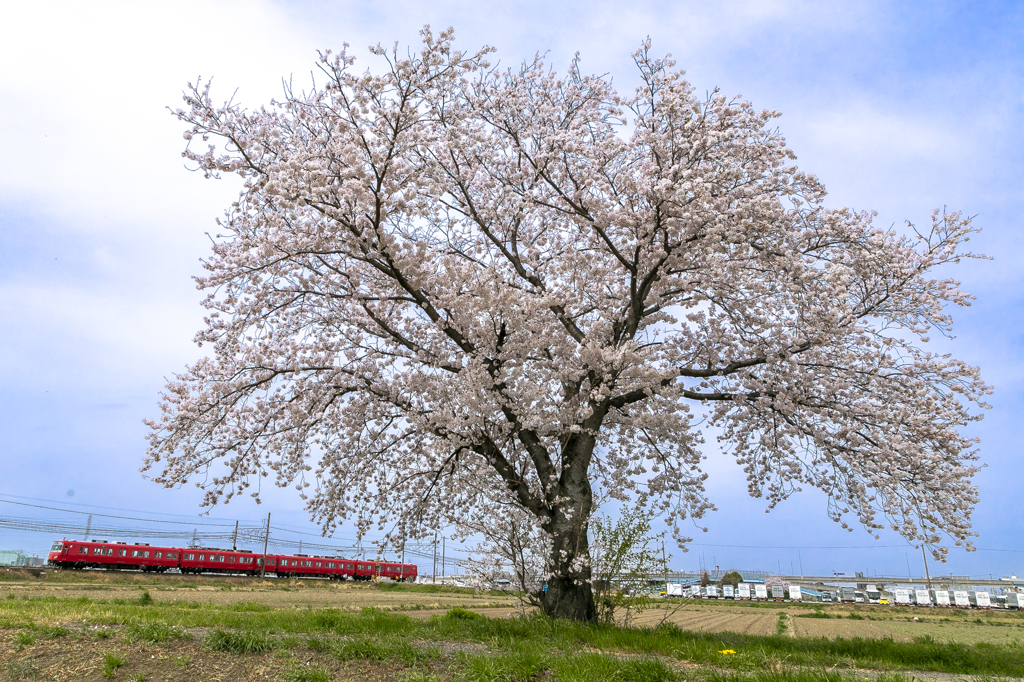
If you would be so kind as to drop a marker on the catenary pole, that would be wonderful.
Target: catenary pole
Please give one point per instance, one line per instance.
(443, 538)
(266, 541)
(88, 527)
(927, 575)
(234, 538)
(433, 574)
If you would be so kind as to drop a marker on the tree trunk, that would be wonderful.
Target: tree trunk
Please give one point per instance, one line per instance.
(569, 594)
(569, 599)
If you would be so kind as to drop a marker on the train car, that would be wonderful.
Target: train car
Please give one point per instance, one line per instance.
(305, 566)
(79, 554)
(225, 561)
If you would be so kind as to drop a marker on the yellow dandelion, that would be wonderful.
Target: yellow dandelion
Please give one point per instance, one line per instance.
(726, 651)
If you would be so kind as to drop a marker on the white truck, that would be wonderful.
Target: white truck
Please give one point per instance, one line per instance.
(940, 597)
(674, 590)
(922, 598)
(902, 595)
(778, 592)
(979, 600)
(728, 592)
(761, 592)
(743, 591)
(712, 591)
(1015, 600)
(795, 594)
(961, 599)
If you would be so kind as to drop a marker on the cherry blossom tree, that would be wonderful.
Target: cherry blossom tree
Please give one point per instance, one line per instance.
(446, 287)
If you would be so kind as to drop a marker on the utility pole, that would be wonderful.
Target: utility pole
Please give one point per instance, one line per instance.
(300, 545)
(443, 538)
(926, 573)
(88, 526)
(234, 538)
(433, 574)
(801, 558)
(266, 540)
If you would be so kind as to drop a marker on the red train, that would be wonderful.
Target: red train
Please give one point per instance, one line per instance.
(75, 554)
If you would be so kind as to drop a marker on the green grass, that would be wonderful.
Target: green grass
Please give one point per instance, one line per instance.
(26, 671)
(514, 644)
(308, 675)
(245, 642)
(152, 633)
(111, 662)
(382, 649)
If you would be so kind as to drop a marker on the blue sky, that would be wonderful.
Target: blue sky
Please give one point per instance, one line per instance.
(897, 107)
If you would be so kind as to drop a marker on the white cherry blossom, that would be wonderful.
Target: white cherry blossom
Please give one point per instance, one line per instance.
(449, 287)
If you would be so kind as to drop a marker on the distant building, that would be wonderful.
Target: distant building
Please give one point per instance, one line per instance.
(14, 557)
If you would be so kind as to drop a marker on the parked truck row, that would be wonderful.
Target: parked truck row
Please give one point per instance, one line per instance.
(900, 596)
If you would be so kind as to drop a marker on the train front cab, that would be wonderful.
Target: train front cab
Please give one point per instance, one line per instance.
(75, 554)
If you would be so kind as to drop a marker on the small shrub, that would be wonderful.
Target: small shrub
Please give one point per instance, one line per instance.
(459, 613)
(105, 633)
(145, 599)
(111, 662)
(855, 616)
(240, 642)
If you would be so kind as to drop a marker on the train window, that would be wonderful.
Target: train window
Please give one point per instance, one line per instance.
(350, 567)
(318, 564)
(307, 563)
(172, 555)
(57, 546)
(158, 555)
(122, 552)
(190, 557)
(220, 558)
(146, 553)
(231, 559)
(330, 565)
(136, 552)
(202, 557)
(83, 550)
